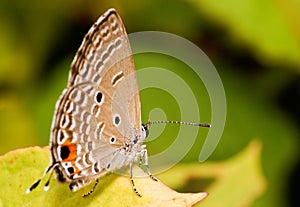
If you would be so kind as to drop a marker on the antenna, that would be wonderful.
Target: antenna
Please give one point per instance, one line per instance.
(178, 122)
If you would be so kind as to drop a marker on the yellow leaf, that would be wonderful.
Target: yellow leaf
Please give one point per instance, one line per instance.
(20, 168)
(238, 181)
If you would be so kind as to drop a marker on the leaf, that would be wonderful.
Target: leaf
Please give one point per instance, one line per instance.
(235, 182)
(269, 28)
(20, 168)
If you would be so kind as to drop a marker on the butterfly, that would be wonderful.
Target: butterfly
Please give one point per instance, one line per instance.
(97, 126)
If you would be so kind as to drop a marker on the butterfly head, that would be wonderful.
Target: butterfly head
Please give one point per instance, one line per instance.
(145, 130)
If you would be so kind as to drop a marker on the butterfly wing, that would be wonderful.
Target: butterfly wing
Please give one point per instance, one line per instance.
(100, 107)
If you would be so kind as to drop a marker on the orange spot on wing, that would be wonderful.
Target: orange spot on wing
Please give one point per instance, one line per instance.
(72, 154)
(72, 151)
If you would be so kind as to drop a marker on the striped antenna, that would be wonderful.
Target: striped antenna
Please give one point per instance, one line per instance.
(178, 122)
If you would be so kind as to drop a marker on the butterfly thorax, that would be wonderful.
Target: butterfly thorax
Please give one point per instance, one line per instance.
(134, 147)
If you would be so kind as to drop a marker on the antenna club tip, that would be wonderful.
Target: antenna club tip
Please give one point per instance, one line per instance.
(46, 188)
(28, 191)
(205, 125)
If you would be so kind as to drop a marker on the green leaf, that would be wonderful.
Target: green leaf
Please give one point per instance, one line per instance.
(20, 168)
(269, 28)
(237, 181)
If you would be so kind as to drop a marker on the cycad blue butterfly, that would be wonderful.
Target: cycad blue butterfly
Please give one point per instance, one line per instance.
(97, 125)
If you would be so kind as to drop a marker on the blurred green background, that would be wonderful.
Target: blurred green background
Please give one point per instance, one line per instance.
(255, 46)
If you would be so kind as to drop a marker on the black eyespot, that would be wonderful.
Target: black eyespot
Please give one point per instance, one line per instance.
(112, 140)
(71, 170)
(64, 152)
(99, 97)
(117, 120)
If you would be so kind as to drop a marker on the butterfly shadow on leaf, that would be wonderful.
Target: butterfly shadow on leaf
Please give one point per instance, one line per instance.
(60, 195)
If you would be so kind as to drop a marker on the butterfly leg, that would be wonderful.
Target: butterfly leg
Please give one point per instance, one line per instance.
(140, 161)
(92, 190)
(132, 182)
(147, 166)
